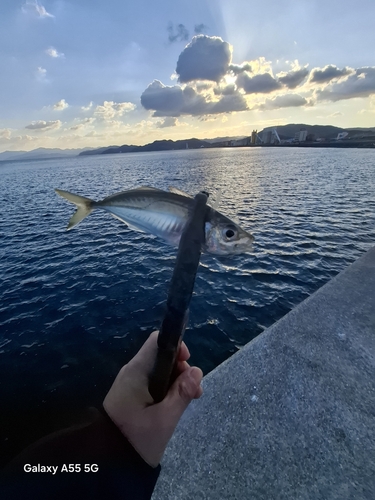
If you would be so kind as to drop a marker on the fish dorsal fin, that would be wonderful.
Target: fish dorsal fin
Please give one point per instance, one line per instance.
(179, 191)
(149, 188)
(216, 203)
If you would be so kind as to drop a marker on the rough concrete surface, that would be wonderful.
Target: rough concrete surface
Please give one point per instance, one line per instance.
(291, 415)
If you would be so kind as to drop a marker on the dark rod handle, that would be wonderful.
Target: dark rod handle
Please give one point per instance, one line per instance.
(181, 288)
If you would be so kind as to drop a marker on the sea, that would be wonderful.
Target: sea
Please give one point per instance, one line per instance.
(76, 305)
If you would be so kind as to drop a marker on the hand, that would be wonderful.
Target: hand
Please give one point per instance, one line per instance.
(148, 426)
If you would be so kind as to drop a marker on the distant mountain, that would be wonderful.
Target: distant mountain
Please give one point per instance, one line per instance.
(361, 129)
(285, 132)
(165, 145)
(323, 131)
(225, 139)
(40, 153)
(97, 151)
(9, 155)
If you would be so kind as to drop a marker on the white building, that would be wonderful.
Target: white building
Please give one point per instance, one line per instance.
(302, 135)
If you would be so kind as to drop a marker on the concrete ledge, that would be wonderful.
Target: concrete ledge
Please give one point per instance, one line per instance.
(292, 415)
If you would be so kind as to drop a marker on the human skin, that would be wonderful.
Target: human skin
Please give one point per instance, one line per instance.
(148, 426)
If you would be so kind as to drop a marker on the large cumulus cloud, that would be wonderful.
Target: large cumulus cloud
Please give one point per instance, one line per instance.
(258, 84)
(359, 84)
(284, 101)
(292, 79)
(210, 83)
(176, 101)
(328, 73)
(204, 58)
(237, 69)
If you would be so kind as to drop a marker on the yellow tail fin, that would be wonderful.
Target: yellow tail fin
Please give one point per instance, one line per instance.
(84, 206)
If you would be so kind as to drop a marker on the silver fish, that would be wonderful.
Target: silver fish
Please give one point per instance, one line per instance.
(164, 214)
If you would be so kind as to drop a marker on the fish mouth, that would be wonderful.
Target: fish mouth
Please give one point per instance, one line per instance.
(243, 248)
(244, 245)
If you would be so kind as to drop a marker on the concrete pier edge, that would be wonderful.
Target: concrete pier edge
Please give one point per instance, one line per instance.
(292, 414)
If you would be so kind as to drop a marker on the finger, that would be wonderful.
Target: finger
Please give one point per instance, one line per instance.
(182, 392)
(183, 354)
(199, 392)
(182, 366)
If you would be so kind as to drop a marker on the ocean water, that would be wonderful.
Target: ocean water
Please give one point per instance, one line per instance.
(77, 305)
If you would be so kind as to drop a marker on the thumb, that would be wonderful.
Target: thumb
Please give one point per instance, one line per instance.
(185, 388)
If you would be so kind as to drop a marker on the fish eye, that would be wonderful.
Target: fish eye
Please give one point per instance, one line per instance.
(229, 232)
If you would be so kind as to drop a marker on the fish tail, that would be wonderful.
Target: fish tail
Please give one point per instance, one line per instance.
(84, 206)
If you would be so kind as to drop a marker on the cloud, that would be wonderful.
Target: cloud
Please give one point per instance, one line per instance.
(42, 126)
(226, 90)
(19, 140)
(169, 121)
(88, 121)
(200, 28)
(5, 133)
(111, 109)
(79, 126)
(293, 78)
(328, 73)
(180, 35)
(203, 86)
(35, 8)
(229, 103)
(204, 58)
(263, 83)
(359, 84)
(176, 101)
(237, 69)
(60, 105)
(283, 101)
(83, 123)
(41, 74)
(88, 107)
(52, 52)
(168, 101)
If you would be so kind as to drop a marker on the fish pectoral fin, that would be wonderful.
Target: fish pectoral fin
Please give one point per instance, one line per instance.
(175, 190)
(84, 206)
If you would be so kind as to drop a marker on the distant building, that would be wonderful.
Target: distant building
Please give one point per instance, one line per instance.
(254, 135)
(271, 136)
(302, 135)
(341, 136)
(241, 142)
(267, 136)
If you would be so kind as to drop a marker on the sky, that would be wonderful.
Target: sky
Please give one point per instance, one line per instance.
(93, 73)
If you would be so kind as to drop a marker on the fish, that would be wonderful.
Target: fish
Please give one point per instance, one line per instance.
(164, 214)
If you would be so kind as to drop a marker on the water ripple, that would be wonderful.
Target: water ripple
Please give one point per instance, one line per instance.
(84, 300)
